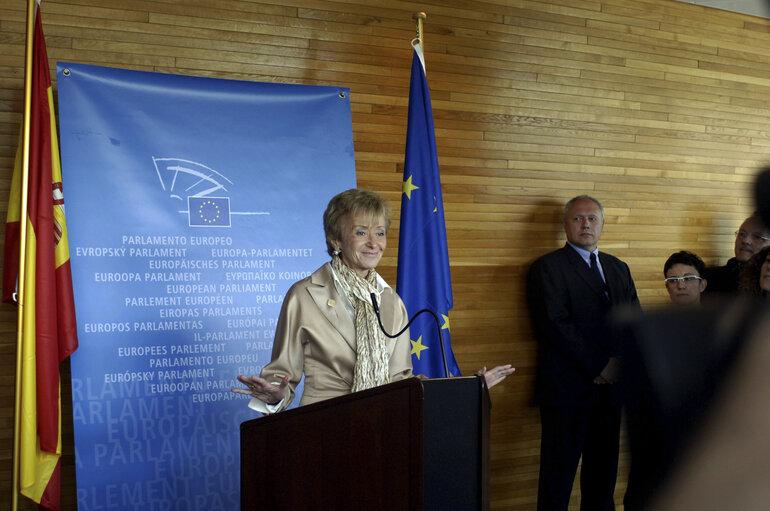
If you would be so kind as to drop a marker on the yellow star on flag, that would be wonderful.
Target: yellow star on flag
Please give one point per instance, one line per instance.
(445, 326)
(417, 347)
(407, 187)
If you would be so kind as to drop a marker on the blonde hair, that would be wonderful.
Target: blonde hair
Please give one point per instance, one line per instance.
(352, 202)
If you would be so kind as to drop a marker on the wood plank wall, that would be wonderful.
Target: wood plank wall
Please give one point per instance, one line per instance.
(658, 108)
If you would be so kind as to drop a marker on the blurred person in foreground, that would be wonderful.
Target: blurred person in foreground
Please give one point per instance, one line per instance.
(700, 380)
(684, 280)
(650, 438)
(328, 329)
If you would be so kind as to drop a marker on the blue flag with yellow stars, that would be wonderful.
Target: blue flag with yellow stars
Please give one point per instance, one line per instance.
(209, 211)
(423, 259)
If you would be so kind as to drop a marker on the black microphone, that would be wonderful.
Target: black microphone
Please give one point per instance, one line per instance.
(438, 329)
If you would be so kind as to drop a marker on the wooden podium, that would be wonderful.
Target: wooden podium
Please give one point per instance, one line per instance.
(410, 445)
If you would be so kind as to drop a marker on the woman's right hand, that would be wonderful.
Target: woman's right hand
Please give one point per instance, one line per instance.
(270, 392)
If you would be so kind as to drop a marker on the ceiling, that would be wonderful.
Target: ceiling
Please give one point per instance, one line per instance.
(759, 8)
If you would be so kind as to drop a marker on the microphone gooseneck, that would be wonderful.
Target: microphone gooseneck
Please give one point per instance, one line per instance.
(438, 329)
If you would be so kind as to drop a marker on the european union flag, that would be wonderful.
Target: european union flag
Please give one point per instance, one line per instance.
(209, 211)
(423, 258)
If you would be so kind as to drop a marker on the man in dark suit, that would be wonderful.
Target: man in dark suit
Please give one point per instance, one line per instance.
(571, 293)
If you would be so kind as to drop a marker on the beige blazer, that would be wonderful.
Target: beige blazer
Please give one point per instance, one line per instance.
(315, 335)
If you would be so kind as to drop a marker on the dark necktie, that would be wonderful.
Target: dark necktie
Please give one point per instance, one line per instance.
(597, 274)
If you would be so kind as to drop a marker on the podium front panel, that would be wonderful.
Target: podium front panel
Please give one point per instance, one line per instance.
(359, 451)
(456, 444)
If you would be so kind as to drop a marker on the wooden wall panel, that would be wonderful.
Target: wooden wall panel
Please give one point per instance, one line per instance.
(658, 108)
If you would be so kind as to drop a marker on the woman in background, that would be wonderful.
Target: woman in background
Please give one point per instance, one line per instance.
(684, 278)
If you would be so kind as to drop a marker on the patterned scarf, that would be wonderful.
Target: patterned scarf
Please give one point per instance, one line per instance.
(371, 367)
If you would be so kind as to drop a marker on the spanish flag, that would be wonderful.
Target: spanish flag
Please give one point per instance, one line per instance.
(48, 332)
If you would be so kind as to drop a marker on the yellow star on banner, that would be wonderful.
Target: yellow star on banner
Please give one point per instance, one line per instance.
(407, 187)
(445, 326)
(417, 347)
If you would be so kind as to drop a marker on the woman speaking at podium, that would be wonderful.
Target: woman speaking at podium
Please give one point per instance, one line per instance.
(328, 328)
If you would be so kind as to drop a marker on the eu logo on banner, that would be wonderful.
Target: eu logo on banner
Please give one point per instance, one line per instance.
(209, 211)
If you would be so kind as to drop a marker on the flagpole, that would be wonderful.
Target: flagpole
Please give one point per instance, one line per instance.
(419, 17)
(31, 5)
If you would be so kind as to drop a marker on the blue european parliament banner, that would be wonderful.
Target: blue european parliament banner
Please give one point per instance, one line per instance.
(192, 205)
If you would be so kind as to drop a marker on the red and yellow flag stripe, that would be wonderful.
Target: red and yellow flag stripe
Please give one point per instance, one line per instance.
(47, 323)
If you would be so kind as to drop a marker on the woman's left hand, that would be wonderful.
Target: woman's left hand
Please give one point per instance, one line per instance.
(496, 374)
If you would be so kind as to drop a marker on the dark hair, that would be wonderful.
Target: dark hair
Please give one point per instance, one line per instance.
(687, 258)
(749, 279)
(353, 201)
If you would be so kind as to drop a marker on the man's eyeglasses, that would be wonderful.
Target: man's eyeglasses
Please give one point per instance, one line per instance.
(687, 279)
(755, 236)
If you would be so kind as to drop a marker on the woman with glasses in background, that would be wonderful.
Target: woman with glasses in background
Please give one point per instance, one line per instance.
(684, 278)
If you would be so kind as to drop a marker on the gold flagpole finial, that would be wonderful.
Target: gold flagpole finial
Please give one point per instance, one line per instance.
(419, 16)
